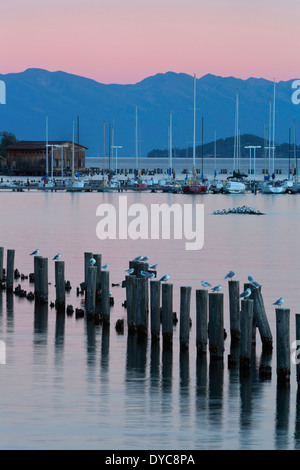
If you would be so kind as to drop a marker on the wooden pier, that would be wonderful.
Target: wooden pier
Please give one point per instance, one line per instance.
(149, 312)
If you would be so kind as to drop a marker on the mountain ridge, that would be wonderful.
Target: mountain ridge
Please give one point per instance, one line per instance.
(36, 93)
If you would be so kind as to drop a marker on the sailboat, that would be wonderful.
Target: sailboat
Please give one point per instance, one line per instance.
(216, 186)
(296, 184)
(194, 186)
(272, 187)
(74, 184)
(233, 184)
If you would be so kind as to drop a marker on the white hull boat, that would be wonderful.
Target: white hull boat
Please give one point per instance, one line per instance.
(234, 187)
(273, 188)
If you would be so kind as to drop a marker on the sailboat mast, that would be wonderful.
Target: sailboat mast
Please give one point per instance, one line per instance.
(47, 140)
(136, 139)
(170, 146)
(295, 149)
(215, 174)
(73, 152)
(273, 149)
(194, 138)
(270, 114)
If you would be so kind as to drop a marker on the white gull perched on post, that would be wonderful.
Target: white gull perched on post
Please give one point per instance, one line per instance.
(166, 277)
(205, 284)
(245, 294)
(56, 257)
(217, 288)
(279, 302)
(35, 252)
(230, 275)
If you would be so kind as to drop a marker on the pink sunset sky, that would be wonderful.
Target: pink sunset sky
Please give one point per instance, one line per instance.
(124, 41)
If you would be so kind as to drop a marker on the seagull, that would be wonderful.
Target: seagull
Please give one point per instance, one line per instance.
(230, 275)
(153, 266)
(92, 262)
(138, 258)
(145, 258)
(166, 277)
(205, 284)
(105, 266)
(56, 257)
(216, 288)
(245, 294)
(279, 302)
(255, 284)
(35, 252)
(147, 275)
(250, 278)
(129, 271)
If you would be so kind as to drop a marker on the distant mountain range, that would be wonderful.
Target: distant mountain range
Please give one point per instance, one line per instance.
(63, 97)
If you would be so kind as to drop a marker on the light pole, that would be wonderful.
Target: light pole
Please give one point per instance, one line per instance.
(117, 147)
(254, 147)
(52, 146)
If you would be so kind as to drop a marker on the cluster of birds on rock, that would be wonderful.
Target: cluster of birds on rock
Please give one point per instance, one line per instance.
(246, 293)
(239, 210)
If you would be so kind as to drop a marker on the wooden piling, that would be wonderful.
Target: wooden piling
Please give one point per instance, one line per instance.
(10, 270)
(36, 275)
(105, 302)
(41, 279)
(184, 325)
(138, 266)
(201, 320)
(142, 306)
(91, 290)
(216, 325)
(246, 333)
(1, 262)
(283, 353)
(167, 314)
(297, 359)
(131, 302)
(60, 285)
(155, 309)
(234, 309)
(87, 256)
(260, 317)
(98, 265)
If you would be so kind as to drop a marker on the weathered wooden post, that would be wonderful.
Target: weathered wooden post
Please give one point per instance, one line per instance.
(297, 359)
(260, 317)
(60, 285)
(36, 276)
(138, 266)
(155, 309)
(87, 256)
(234, 309)
(98, 265)
(142, 306)
(184, 325)
(131, 302)
(167, 314)
(91, 290)
(105, 302)
(246, 333)
(1, 262)
(201, 320)
(10, 270)
(216, 325)
(283, 352)
(42, 280)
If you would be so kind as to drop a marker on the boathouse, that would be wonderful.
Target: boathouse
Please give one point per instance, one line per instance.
(28, 158)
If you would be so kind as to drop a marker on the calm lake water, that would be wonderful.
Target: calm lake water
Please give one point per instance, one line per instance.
(70, 384)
